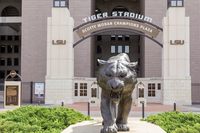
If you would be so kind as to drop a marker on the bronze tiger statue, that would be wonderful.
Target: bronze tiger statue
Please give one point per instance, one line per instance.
(117, 78)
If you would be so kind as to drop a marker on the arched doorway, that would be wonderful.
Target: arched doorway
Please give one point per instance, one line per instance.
(140, 90)
(114, 35)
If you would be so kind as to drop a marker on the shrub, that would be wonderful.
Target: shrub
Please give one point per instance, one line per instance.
(177, 122)
(38, 119)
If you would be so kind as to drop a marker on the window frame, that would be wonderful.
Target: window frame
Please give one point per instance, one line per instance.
(83, 90)
(117, 49)
(176, 3)
(159, 86)
(3, 49)
(94, 92)
(120, 37)
(1, 73)
(60, 3)
(151, 90)
(2, 61)
(113, 49)
(9, 38)
(10, 49)
(76, 89)
(9, 62)
(126, 49)
(113, 37)
(3, 38)
(16, 38)
(16, 49)
(16, 62)
(127, 38)
(141, 93)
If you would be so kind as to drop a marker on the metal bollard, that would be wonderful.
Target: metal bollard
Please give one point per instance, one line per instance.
(31, 92)
(88, 108)
(39, 102)
(174, 106)
(62, 104)
(142, 102)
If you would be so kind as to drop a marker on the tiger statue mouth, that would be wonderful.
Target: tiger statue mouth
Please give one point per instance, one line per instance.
(115, 96)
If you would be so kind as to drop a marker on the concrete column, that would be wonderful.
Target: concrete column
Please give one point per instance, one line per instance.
(60, 57)
(176, 57)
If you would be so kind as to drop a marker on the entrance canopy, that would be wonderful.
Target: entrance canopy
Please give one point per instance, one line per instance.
(131, 25)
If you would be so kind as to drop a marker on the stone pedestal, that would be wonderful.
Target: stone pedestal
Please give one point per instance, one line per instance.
(60, 57)
(176, 57)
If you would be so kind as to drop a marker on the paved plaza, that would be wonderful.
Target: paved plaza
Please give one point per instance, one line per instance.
(136, 111)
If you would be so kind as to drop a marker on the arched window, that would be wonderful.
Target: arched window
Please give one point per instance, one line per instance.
(10, 11)
(140, 87)
(120, 8)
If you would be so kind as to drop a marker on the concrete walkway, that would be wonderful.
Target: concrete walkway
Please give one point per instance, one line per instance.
(4, 110)
(136, 126)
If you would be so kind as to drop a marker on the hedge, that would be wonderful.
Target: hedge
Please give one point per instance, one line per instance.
(177, 122)
(37, 119)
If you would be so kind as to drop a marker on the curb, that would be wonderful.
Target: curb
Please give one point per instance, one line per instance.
(84, 123)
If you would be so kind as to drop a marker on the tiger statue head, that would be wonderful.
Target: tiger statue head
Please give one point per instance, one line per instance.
(117, 76)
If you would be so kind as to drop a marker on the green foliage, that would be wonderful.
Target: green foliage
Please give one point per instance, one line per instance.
(177, 122)
(36, 119)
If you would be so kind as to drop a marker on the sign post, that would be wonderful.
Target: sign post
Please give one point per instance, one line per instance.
(39, 92)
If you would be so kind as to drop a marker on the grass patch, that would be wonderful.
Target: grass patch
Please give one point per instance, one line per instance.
(177, 122)
(36, 119)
